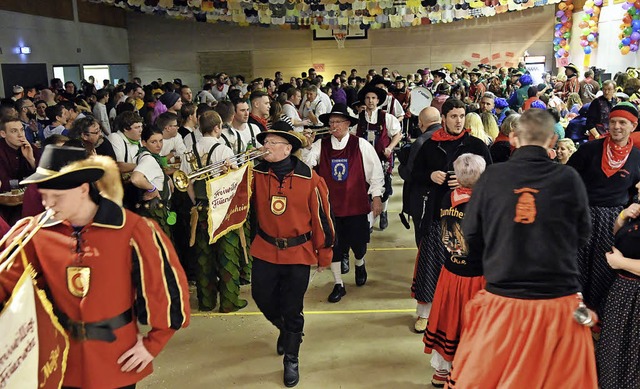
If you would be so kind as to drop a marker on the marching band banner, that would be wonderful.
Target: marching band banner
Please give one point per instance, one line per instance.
(33, 348)
(228, 196)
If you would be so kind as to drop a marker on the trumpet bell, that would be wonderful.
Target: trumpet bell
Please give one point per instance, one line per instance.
(180, 180)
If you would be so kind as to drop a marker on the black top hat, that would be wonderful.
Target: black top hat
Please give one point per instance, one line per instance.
(341, 110)
(370, 88)
(378, 79)
(283, 129)
(56, 170)
(439, 73)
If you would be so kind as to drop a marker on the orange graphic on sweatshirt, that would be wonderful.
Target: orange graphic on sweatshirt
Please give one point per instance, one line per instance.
(526, 206)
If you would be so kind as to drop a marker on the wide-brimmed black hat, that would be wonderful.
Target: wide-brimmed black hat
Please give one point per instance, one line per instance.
(475, 71)
(401, 79)
(369, 88)
(378, 79)
(439, 73)
(285, 130)
(56, 170)
(572, 67)
(341, 110)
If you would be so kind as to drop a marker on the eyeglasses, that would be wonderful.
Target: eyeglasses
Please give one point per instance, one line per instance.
(272, 142)
(93, 133)
(336, 121)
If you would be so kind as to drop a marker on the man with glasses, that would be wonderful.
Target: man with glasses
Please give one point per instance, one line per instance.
(352, 170)
(33, 130)
(88, 130)
(295, 232)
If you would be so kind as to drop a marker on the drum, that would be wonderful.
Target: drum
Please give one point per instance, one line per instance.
(420, 98)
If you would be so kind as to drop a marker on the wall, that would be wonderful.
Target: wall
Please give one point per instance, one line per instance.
(56, 41)
(606, 55)
(171, 51)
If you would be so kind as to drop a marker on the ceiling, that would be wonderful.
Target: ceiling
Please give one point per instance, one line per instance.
(326, 14)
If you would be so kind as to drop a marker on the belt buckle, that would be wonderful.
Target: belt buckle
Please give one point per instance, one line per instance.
(78, 331)
(282, 243)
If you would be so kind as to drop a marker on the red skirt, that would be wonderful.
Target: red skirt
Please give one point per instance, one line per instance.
(445, 320)
(517, 343)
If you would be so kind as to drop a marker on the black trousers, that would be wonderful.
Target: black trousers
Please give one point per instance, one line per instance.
(279, 290)
(352, 232)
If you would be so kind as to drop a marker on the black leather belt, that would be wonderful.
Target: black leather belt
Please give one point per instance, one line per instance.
(98, 330)
(283, 243)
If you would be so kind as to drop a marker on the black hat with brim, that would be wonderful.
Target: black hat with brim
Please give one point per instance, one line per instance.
(282, 129)
(56, 171)
(439, 73)
(338, 109)
(369, 88)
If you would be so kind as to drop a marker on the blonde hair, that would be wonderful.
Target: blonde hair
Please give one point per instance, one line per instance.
(573, 99)
(469, 168)
(490, 124)
(208, 121)
(569, 144)
(510, 124)
(473, 122)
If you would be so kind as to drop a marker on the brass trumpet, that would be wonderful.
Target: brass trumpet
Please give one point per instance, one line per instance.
(181, 179)
(30, 227)
(322, 131)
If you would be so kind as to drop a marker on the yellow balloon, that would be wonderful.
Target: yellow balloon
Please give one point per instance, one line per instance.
(624, 50)
(594, 29)
(562, 6)
(592, 23)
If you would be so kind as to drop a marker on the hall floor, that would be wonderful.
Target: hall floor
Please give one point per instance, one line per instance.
(364, 341)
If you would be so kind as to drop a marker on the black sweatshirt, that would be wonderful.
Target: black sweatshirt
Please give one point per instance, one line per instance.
(606, 191)
(529, 215)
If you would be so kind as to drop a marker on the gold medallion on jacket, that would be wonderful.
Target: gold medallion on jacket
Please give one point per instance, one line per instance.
(78, 280)
(278, 205)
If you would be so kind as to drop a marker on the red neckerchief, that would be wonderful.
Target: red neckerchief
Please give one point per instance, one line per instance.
(220, 87)
(262, 121)
(504, 138)
(613, 156)
(459, 196)
(442, 135)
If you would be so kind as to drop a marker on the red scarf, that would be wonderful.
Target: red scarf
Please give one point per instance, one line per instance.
(613, 156)
(262, 121)
(459, 196)
(442, 135)
(502, 138)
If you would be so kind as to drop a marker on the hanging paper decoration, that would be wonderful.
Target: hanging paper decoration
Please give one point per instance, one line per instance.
(630, 34)
(562, 34)
(326, 14)
(589, 26)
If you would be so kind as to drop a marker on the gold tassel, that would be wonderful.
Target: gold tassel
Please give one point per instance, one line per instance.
(193, 221)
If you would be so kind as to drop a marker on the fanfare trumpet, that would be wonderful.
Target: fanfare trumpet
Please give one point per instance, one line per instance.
(319, 132)
(30, 227)
(181, 179)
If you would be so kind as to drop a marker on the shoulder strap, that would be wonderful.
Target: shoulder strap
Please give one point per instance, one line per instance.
(195, 149)
(126, 151)
(211, 152)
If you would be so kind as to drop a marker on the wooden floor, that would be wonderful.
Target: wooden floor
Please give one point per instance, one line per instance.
(364, 341)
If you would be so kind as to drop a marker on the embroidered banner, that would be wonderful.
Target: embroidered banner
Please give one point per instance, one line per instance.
(228, 196)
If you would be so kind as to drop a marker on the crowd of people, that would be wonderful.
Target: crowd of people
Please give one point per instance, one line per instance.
(506, 234)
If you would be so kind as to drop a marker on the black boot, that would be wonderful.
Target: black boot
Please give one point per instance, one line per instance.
(384, 220)
(361, 275)
(337, 293)
(292, 342)
(344, 265)
(280, 344)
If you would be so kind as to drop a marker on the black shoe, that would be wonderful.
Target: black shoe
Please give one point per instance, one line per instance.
(361, 275)
(291, 344)
(344, 265)
(384, 220)
(337, 293)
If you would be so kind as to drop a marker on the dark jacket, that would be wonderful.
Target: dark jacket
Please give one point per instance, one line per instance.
(435, 155)
(598, 114)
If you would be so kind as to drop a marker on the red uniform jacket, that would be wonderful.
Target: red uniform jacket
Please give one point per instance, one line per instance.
(299, 206)
(133, 264)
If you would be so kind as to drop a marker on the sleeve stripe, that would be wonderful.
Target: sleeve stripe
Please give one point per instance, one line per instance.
(141, 303)
(325, 222)
(176, 314)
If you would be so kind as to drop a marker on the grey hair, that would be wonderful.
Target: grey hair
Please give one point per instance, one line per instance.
(489, 95)
(468, 168)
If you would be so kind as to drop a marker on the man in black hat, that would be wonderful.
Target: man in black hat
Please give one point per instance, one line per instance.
(389, 104)
(353, 173)
(295, 231)
(478, 87)
(121, 270)
(384, 132)
(438, 78)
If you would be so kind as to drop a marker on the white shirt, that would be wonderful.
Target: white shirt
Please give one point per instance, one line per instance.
(203, 146)
(290, 111)
(149, 167)
(220, 94)
(393, 124)
(173, 144)
(232, 136)
(248, 134)
(100, 113)
(317, 106)
(122, 147)
(325, 99)
(188, 140)
(398, 111)
(373, 173)
(205, 97)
